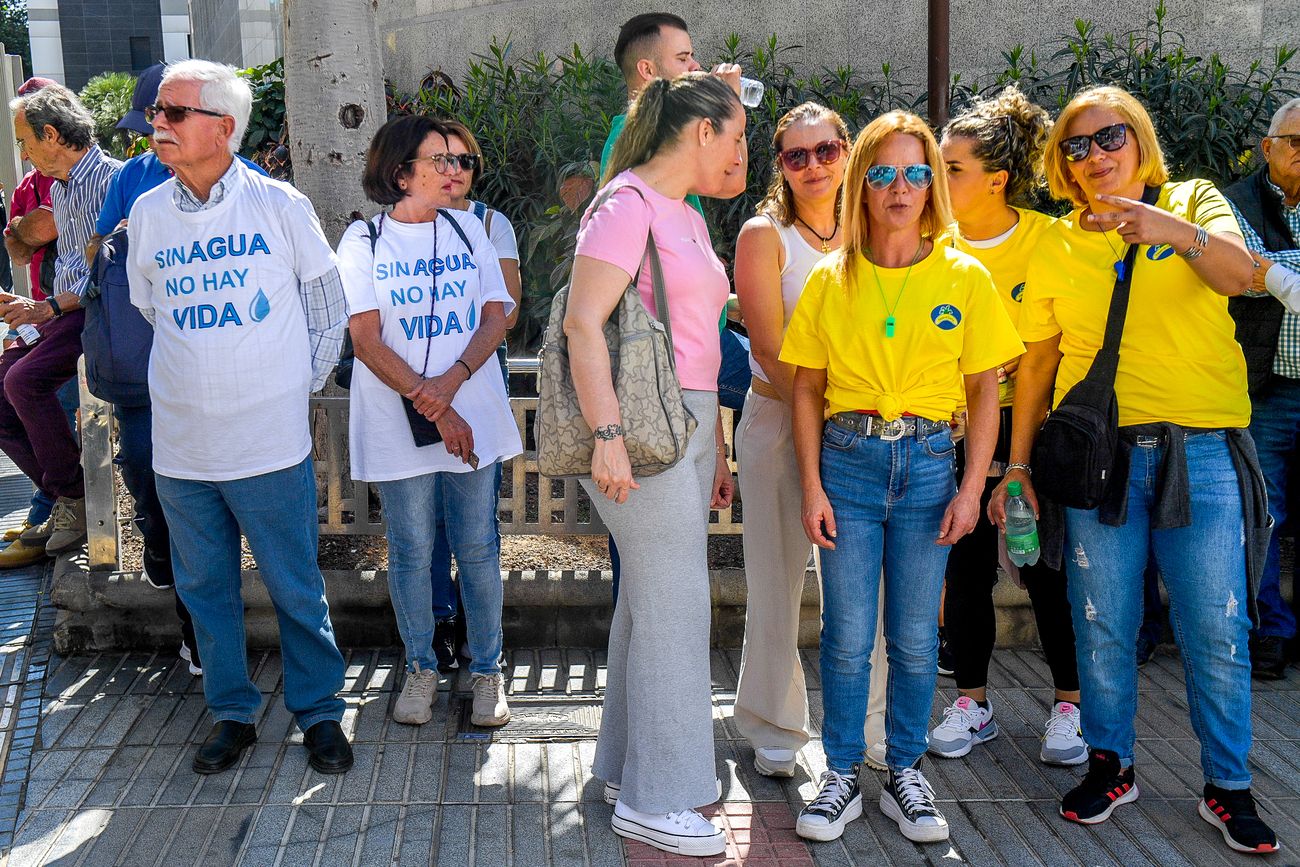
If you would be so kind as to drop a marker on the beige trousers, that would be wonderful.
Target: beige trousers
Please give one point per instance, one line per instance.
(772, 698)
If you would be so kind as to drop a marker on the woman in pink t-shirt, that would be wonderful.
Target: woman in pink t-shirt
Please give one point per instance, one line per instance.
(656, 739)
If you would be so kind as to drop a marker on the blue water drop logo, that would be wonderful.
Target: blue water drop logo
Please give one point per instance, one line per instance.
(473, 310)
(260, 308)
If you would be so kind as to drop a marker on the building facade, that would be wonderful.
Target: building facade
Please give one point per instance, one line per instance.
(242, 33)
(75, 40)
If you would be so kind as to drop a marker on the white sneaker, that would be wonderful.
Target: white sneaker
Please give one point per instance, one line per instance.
(875, 756)
(186, 654)
(1063, 737)
(685, 832)
(415, 705)
(490, 708)
(838, 802)
(908, 799)
(964, 725)
(774, 761)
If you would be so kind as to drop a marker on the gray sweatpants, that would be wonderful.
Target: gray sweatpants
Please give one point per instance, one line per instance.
(656, 733)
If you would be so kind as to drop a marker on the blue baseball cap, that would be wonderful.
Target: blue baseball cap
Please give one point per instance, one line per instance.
(145, 95)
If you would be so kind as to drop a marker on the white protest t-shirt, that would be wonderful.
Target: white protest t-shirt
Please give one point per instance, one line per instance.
(397, 280)
(230, 370)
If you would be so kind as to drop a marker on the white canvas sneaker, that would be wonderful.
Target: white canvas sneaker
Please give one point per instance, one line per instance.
(685, 832)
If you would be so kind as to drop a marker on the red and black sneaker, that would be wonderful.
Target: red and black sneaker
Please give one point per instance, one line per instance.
(1106, 786)
(1232, 811)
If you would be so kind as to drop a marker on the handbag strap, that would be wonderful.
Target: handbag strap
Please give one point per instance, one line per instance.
(1105, 364)
(651, 253)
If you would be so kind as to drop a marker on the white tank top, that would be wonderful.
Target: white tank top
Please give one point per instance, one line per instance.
(800, 257)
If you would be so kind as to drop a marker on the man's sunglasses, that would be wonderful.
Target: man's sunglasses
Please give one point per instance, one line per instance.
(919, 176)
(445, 164)
(1108, 138)
(176, 113)
(826, 152)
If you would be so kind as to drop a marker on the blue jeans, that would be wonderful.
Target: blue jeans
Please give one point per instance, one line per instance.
(412, 509)
(446, 596)
(734, 375)
(42, 502)
(1275, 427)
(888, 499)
(277, 512)
(1204, 570)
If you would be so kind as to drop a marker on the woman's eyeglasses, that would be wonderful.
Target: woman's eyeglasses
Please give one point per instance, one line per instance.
(445, 164)
(826, 152)
(1108, 138)
(176, 113)
(919, 176)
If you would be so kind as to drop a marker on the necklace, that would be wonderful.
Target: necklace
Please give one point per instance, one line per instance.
(889, 311)
(826, 242)
(1119, 257)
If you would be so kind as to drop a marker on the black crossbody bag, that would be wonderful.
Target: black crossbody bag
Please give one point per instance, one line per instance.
(1076, 447)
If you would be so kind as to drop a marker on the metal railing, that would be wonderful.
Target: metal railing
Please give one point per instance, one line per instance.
(530, 504)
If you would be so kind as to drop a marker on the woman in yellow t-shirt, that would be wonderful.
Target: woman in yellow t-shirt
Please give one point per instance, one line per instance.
(994, 154)
(887, 335)
(1181, 391)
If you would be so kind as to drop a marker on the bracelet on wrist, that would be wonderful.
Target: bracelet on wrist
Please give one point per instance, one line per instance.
(1029, 471)
(54, 307)
(608, 432)
(461, 362)
(1198, 246)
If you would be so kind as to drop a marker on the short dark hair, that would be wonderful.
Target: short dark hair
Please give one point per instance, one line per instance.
(637, 33)
(391, 151)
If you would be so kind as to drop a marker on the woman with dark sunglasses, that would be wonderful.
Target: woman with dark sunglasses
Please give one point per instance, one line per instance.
(889, 334)
(994, 155)
(798, 223)
(1183, 410)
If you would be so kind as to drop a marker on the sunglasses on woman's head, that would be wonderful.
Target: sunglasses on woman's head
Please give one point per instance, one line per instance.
(1108, 138)
(919, 176)
(445, 164)
(826, 152)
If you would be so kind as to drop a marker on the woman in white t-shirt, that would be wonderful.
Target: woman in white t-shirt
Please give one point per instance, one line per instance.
(428, 308)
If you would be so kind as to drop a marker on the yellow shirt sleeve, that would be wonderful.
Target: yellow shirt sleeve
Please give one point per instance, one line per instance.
(1209, 209)
(805, 340)
(1037, 318)
(992, 341)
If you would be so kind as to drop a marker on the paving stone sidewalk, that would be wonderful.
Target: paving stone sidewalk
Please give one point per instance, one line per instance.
(110, 781)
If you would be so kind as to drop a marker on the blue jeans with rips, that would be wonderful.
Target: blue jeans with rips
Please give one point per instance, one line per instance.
(1204, 570)
(1275, 427)
(888, 499)
(466, 505)
(276, 511)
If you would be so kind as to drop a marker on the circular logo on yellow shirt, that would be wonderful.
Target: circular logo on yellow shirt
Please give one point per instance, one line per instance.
(946, 317)
(1018, 292)
(1164, 251)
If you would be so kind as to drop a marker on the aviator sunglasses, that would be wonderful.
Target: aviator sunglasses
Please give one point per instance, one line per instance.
(919, 176)
(445, 164)
(826, 152)
(175, 114)
(1108, 138)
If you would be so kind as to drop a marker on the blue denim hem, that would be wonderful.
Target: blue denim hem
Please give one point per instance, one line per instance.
(1230, 785)
(305, 723)
(246, 719)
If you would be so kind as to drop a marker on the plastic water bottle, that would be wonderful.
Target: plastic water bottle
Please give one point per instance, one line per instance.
(751, 92)
(1022, 529)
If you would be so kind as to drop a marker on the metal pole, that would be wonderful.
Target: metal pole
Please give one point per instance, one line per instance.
(938, 69)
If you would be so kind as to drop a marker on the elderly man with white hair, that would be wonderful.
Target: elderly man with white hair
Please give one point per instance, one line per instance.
(1267, 205)
(241, 285)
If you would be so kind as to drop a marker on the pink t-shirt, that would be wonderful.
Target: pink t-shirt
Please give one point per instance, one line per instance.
(32, 192)
(695, 280)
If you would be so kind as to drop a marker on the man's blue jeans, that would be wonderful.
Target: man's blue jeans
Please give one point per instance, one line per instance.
(1275, 427)
(467, 503)
(277, 513)
(1204, 570)
(888, 499)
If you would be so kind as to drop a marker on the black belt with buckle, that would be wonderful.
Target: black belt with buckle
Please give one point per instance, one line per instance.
(895, 429)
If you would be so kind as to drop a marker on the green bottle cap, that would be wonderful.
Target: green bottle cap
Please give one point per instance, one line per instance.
(1013, 489)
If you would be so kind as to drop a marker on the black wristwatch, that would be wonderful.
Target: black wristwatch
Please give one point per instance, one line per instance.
(54, 307)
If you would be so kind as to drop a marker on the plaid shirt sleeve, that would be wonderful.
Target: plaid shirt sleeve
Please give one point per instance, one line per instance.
(326, 309)
(1255, 244)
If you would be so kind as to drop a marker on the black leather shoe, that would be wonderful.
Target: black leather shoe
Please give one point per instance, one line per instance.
(222, 749)
(1268, 657)
(328, 750)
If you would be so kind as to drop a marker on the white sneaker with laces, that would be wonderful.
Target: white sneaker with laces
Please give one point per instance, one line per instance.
(415, 705)
(1063, 737)
(964, 725)
(908, 799)
(490, 708)
(774, 761)
(875, 756)
(837, 803)
(685, 832)
(186, 654)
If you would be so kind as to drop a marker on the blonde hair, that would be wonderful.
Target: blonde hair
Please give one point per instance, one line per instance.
(1151, 160)
(937, 212)
(660, 112)
(1007, 134)
(778, 202)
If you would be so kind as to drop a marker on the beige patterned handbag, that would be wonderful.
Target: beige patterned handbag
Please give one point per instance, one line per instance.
(656, 423)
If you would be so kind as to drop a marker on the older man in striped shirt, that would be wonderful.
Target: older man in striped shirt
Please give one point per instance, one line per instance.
(56, 135)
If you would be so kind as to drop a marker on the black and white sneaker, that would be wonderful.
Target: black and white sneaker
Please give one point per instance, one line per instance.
(444, 643)
(838, 803)
(1106, 786)
(947, 667)
(1233, 813)
(908, 799)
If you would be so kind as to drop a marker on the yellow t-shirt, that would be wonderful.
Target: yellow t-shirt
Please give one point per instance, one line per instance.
(948, 322)
(1178, 359)
(1007, 263)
